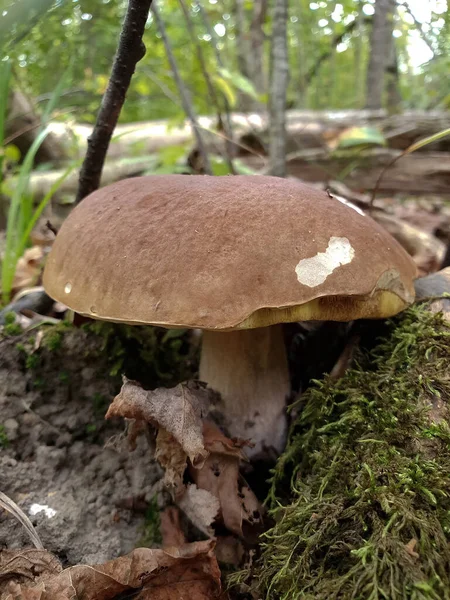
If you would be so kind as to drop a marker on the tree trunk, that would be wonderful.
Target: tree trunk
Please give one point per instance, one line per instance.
(278, 89)
(393, 95)
(250, 50)
(380, 45)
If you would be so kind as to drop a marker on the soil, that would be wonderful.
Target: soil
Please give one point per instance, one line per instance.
(59, 457)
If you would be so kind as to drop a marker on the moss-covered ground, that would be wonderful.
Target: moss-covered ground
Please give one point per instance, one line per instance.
(361, 497)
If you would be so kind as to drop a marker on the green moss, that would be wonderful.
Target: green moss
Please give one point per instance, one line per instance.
(11, 328)
(361, 497)
(151, 533)
(152, 355)
(4, 441)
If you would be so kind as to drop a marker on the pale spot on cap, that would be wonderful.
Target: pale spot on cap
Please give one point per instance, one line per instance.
(314, 271)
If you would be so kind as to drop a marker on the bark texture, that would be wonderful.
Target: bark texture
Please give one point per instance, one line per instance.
(278, 90)
(130, 51)
(380, 47)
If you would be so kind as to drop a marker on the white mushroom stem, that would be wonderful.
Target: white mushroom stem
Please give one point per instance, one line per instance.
(250, 370)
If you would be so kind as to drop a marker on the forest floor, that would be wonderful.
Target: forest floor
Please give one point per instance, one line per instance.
(60, 460)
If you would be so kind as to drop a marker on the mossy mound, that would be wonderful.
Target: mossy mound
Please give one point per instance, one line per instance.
(361, 497)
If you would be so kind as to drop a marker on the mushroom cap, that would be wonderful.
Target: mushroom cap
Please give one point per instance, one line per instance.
(224, 253)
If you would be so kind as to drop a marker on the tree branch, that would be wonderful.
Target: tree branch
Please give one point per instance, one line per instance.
(130, 51)
(185, 100)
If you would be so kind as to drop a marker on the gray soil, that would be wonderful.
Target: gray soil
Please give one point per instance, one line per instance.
(58, 452)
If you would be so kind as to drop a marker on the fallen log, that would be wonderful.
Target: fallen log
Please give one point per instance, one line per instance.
(414, 174)
(305, 130)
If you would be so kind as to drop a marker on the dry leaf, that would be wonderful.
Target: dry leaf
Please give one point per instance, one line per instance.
(26, 565)
(215, 441)
(190, 570)
(178, 410)
(220, 476)
(214, 459)
(201, 508)
(172, 458)
(29, 268)
(171, 532)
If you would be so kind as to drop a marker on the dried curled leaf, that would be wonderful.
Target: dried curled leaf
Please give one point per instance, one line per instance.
(190, 570)
(172, 458)
(171, 532)
(27, 564)
(185, 440)
(220, 476)
(178, 410)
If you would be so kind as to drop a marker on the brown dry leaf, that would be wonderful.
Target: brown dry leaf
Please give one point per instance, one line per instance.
(172, 458)
(201, 508)
(171, 532)
(215, 441)
(29, 268)
(155, 574)
(178, 410)
(220, 476)
(26, 565)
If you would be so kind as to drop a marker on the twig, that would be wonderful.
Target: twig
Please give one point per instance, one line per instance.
(201, 59)
(187, 106)
(213, 35)
(418, 25)
(130, 51)
(9, 505)
(278, 89)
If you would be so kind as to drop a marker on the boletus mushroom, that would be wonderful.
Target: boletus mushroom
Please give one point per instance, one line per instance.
(236, 257)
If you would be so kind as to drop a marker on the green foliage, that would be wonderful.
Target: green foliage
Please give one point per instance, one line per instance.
(357, 137)
(151, 534)
(4, 441)
(361, 497)
(11, 327)
(152, 355)
(22, 215)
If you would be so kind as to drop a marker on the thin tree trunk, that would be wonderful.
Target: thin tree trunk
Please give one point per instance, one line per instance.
(130, 51)
(301, 59)
(379, 53)
(393, 95)
(228, 129)
(257, 38)
(250, 49)
(359, 86)
(184, 94)
(278, 89)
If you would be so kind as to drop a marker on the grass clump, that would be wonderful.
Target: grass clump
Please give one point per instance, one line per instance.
(361, 497)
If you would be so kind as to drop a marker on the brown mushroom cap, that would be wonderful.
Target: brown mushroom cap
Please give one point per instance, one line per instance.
(224, 253)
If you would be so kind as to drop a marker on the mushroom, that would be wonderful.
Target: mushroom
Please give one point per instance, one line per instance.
(236, 257)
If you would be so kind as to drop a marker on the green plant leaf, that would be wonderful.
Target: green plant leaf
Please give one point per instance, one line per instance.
(239, 82)
(361, 136)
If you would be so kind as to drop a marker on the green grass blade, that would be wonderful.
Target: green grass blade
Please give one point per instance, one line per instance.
(42, 204)
(56, 95)
(5, 76)
(13, 234)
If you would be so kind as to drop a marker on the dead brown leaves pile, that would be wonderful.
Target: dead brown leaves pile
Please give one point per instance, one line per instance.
(188, 443)
(188, 571)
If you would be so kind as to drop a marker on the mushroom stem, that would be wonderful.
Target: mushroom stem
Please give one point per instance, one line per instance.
(249, 369)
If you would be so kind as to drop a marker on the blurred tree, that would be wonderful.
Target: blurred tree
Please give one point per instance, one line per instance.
(381, 42)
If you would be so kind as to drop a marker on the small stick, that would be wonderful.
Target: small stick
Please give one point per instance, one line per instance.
(130, 51)
(184, 95)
